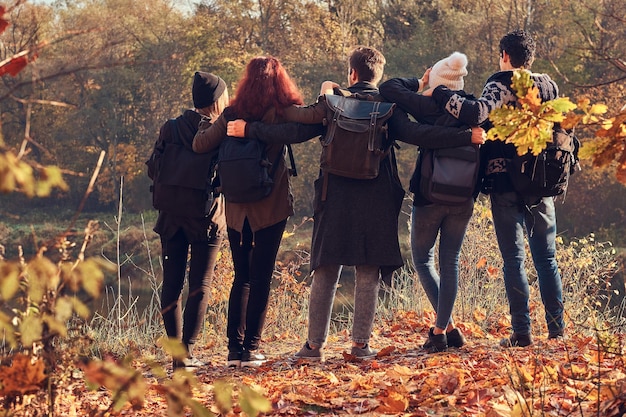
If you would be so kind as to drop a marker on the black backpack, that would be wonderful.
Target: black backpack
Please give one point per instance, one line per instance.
(448, 175)
(245, 173)
(356, 133)
(181, 178)
(546, 174)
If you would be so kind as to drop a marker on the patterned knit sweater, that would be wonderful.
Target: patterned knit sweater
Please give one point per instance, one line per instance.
(475, 112)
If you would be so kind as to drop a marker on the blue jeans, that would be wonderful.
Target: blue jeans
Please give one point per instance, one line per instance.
(450, 222)
(511, 217)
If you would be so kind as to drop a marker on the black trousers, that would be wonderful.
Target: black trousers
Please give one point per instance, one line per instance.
(254, 257)
(202, 258)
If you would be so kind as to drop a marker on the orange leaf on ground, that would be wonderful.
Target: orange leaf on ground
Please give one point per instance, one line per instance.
(386, 351)
(451, 381)
(492, 272)
(25, 375)
(392, 402)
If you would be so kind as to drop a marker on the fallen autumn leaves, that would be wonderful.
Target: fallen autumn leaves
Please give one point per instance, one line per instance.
(554, 378)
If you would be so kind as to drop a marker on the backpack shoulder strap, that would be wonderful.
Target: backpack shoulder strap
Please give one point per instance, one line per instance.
(174, 127)
(338, 91)
(292, 171)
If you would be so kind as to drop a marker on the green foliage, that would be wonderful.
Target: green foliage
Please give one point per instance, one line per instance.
(252, 402)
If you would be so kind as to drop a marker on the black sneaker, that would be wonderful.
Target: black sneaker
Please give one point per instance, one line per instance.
(234, 358)
(517, 340)
(252, 359)
(559, 334)
(436, 342)
(365, 352)
(455, 338)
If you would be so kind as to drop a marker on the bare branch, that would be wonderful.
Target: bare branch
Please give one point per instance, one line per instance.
(570, 82)
(43, 102)
(74, 70)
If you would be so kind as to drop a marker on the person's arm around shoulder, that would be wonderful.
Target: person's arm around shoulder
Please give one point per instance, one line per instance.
(311, 114)
(403, 92)
(290, 132)
(471, 110)
(401, 128)
(209, 135)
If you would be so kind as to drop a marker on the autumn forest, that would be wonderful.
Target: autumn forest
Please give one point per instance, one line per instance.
(86, 85)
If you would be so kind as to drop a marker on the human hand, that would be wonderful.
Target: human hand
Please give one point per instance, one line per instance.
(478, 135)
(428, 93)
(236, 128)
(426, 77)
(327, 87)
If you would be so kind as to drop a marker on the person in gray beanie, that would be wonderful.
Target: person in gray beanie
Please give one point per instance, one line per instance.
(428, 219)
(187, 220)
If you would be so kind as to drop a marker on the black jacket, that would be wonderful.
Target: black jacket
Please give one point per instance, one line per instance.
(195, 228)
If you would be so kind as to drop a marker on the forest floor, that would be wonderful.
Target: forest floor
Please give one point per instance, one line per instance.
(564, 377)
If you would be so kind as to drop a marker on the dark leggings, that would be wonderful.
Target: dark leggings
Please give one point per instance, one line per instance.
(201, 265)
(254, 256)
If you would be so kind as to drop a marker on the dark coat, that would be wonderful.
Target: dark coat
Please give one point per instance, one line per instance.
(357, 224)
(195, 228)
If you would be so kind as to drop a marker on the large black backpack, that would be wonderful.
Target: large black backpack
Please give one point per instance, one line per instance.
(245, 172)
(448, 175)
(356, 133)
(546, 174)
(181, 178)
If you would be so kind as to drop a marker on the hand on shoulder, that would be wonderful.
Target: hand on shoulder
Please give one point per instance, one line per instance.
(327, 87)
(425, 77)
(236, 128)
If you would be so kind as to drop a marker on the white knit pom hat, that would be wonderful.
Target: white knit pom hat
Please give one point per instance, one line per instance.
(449, 72)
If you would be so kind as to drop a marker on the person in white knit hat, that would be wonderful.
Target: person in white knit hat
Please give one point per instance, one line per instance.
(429, 219)
(449, 72)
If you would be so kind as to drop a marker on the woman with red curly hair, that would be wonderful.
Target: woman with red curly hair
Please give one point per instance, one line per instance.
(265, 93)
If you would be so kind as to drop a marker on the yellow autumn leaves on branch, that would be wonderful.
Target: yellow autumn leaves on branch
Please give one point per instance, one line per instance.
(529, 125)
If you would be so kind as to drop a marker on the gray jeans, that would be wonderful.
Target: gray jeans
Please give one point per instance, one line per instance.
(323, 288)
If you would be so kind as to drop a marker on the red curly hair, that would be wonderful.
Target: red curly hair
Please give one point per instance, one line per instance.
(265, 84)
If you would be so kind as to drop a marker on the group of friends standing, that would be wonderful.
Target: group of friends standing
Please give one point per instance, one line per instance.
(356, 220)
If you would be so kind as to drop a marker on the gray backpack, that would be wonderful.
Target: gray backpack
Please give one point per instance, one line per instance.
(448, 176)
